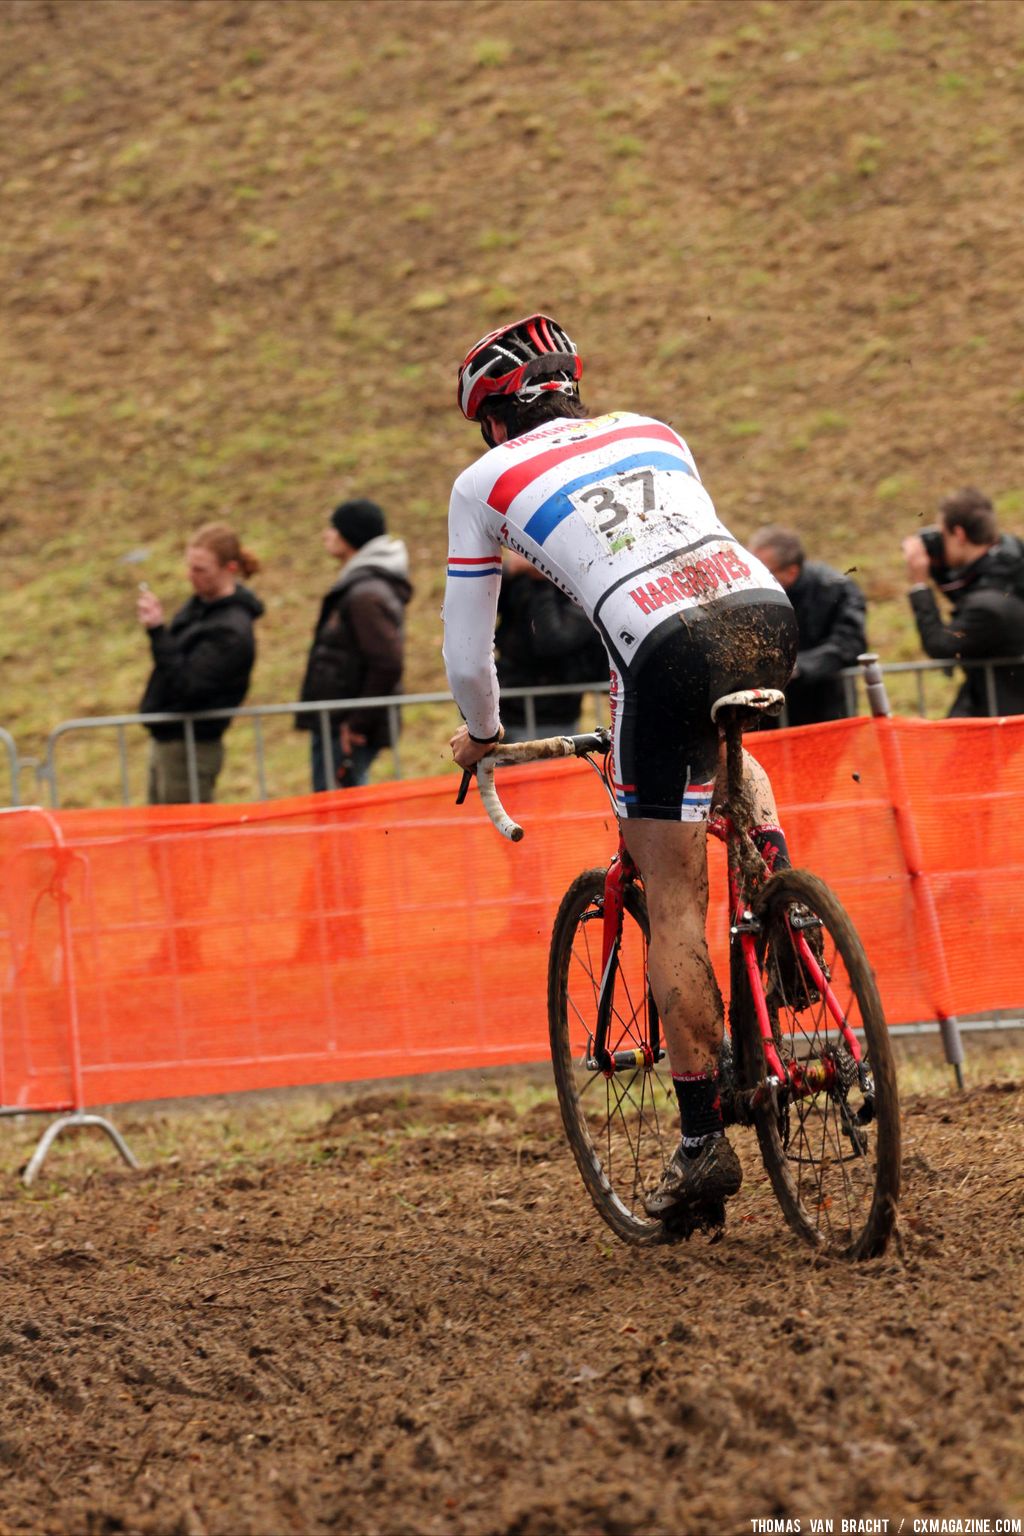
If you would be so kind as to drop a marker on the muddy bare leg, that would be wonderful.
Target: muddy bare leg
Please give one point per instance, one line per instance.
(704, 1171)
(756, 787)
(672, 857)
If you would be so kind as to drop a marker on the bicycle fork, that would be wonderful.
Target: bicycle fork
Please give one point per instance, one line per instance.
(646, 1055)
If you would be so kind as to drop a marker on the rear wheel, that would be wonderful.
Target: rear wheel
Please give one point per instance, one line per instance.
(622, 1127)
(830, 1134)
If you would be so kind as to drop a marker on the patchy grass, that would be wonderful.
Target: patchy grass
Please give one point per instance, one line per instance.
(263, 1130)
(259, 1131)
(244, 249)
(989, 1056)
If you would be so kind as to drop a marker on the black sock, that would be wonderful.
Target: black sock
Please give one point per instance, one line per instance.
(770, 843)
(700, 1108)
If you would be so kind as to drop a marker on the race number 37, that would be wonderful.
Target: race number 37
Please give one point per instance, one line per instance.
(609, 508)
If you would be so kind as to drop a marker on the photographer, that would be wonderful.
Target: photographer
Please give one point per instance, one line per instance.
(982, 573)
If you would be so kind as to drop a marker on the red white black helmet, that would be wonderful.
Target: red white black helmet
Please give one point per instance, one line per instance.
(508, 361)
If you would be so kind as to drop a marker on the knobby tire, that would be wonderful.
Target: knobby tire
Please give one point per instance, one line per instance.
(623, 1129)
(834, 1195)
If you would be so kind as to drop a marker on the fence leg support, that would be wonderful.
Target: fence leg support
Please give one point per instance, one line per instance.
(63, 1123)
(954, 1047)
(924, 903)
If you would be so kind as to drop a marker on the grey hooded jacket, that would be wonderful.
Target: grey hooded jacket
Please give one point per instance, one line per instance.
(358, 642)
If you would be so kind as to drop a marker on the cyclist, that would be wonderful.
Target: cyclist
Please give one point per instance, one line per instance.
(612, 510)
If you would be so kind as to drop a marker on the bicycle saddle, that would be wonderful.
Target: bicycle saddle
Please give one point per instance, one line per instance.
(749, 701)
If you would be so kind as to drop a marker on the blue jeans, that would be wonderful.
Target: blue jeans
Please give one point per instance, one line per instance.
(358, 774)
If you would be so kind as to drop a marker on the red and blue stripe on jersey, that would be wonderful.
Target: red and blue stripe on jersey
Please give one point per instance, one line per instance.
(699, 794)
(625, 794)
(475, 565)
(558, 506)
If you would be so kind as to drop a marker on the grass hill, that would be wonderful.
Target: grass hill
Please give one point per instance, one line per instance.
(244, 246)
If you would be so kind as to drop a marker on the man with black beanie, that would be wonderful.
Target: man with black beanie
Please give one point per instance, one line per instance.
(358, 642)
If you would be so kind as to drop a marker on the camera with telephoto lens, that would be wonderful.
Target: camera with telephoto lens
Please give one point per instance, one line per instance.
(935, 549)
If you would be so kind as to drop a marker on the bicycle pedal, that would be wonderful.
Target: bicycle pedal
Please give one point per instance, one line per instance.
(712, 1219)
(857, 1138)
(708, 1218)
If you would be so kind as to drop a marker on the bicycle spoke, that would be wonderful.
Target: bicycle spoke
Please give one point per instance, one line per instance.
(620, 1137)
(825, 1159)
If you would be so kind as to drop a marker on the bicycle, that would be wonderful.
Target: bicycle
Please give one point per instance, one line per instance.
(810, 1065)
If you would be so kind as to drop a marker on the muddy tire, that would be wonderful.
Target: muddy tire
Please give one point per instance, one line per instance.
(833, 1156)
(622, 1129)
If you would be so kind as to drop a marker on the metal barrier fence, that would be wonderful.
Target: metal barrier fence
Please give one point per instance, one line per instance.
(46, 771)
(11, 751)
(114, 924)
(917, 671)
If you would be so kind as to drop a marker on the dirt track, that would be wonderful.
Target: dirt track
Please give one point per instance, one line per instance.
(410, 1321)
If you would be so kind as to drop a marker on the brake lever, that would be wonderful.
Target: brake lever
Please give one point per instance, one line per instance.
(468, 775)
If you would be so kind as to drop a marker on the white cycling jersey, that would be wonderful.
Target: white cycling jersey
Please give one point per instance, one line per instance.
(612, 510)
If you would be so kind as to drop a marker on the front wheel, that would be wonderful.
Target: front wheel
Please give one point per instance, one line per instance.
(829, 1130)
(623, 1127)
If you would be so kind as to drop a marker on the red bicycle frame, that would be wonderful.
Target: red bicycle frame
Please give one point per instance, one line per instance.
(621, 873)
(801, 1078)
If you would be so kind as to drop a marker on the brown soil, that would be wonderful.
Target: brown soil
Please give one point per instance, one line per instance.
(414, 1322)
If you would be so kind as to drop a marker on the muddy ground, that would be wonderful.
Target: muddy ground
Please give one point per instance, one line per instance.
(399, 1314)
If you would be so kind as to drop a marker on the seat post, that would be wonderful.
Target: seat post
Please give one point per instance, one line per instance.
(733, 759)
(729, 712)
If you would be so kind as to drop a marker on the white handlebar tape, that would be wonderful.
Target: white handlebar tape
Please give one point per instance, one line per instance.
(492, 805)
(503, 756)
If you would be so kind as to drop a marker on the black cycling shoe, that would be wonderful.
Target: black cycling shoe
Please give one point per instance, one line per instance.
(693, 1183)
(682, 1221)
(727, 1082)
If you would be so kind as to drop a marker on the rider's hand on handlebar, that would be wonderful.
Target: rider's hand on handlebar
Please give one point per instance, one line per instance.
(466, 752)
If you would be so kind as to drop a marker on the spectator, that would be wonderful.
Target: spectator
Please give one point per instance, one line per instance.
(542, 638)
(982, 573)
(830, 611)
(201, 660)
(358, 643)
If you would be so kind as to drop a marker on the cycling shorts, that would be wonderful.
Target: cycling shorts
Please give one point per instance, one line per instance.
(664, 743)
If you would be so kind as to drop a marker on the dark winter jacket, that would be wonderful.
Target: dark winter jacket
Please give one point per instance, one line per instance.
(358, 643)
(830, 611)
(544, 638)
(987, 621)
(202, 660)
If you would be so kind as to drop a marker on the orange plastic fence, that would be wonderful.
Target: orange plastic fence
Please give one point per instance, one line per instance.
(181, 951)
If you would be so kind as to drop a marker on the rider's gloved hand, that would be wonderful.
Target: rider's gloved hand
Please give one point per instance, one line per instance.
(467, 750)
